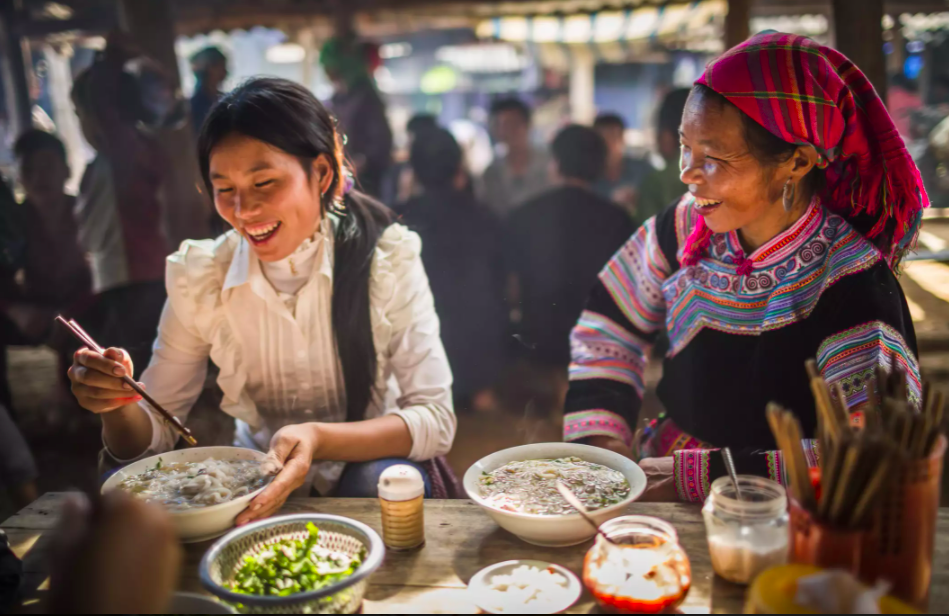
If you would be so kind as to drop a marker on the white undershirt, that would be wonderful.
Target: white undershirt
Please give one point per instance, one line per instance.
(288, 276)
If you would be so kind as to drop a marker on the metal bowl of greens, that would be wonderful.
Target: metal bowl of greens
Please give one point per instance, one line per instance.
(307, 563)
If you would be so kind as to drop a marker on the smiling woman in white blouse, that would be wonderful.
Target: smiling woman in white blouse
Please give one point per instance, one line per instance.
(315, 308)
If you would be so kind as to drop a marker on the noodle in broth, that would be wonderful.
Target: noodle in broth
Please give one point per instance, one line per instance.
(189, 485)
(530, 486)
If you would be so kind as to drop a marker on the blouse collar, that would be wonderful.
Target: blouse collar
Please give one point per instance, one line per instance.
(246, 268)
(781, 246)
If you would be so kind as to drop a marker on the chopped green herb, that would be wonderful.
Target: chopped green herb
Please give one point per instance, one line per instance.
(293, 565)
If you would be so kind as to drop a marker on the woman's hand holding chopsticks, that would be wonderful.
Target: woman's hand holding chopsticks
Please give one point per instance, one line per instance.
(97, 380)
(98, 386)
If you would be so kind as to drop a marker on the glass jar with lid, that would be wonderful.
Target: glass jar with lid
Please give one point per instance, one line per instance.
(746, 536)
(648, 572)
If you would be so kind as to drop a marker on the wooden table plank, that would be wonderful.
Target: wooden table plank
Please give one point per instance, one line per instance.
(460, 541)
(42, 514)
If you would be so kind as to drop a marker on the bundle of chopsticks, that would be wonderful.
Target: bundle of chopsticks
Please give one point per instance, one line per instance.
(856, 464)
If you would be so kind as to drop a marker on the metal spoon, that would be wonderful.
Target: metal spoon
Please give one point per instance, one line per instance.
(730, 467)
(574, 502)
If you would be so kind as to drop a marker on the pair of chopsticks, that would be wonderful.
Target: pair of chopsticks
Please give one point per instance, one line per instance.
(87, 340)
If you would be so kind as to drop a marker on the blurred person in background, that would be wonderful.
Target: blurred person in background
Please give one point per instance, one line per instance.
(556, 245)
(399, 184)
(17, 467)
(463, 258)
(210, 71)
(519, 171)
(359, 109)
(53, 275)
(12, 256)
(18, 470)
(902, 99)
(119, 206)
(662, 187)
(622, 173)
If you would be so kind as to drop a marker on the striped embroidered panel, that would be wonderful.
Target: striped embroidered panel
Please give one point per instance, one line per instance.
(634, 279)
(850, 358)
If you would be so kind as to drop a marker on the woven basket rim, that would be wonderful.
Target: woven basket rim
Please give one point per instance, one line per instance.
(374, 557)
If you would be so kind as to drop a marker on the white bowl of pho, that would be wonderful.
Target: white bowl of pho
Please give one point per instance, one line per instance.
(203, 488)
(517, 487)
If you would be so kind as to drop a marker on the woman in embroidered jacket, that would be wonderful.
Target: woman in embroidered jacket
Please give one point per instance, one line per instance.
(316, 309)
(801, 201)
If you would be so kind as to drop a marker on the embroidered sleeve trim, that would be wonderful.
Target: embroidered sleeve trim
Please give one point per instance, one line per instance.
(584, 424)
(691, 474)
(851, 357)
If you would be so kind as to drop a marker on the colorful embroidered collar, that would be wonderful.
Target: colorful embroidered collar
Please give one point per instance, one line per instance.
(778, 284)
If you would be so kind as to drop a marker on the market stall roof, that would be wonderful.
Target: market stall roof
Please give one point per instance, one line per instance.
(373, 17)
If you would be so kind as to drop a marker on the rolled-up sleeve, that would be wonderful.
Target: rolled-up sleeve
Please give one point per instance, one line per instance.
(417, 356)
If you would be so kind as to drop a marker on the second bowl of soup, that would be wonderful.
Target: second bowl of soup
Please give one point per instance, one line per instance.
(517, 487)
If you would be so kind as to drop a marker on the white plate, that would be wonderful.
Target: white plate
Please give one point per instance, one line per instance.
(200, 523)
(554, 530)
(478, 587)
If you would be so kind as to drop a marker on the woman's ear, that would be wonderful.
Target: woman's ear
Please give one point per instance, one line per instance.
(803, 160)
(323, 173)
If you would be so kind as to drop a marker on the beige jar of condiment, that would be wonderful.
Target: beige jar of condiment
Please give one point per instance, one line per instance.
(402, 497)
(746, 536)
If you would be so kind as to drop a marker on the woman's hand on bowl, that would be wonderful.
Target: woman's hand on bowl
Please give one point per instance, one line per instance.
(612, 444)
(289, 458)
(660, 480)
(97, 380)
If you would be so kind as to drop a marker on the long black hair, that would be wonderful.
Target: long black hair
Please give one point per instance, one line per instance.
(287, 116)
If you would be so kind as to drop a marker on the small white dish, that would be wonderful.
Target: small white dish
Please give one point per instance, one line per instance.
(478, 587)
(193, 603)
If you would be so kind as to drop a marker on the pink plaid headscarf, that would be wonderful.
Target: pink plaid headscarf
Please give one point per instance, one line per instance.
(804, 93)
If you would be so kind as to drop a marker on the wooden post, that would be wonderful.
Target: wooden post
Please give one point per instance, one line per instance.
(858, 26)
(582, 78)
(187, 208)
(13, 66)
(896, 60)
(737, 23)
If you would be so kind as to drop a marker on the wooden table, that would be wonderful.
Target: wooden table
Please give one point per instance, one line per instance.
(461, 540)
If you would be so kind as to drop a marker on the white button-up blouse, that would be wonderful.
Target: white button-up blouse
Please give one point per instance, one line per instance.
(277, 352)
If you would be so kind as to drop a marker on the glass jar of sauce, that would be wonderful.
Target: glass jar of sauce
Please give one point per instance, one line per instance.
(746, 536)
(647, 573)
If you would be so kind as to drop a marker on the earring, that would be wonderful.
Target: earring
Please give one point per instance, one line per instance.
(789, 190)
